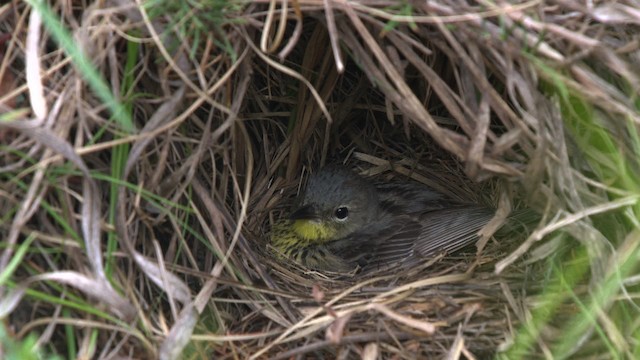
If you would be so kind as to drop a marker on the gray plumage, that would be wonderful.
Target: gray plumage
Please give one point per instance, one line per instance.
(386, 224)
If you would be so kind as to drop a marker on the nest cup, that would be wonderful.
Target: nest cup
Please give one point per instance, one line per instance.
(370, 132)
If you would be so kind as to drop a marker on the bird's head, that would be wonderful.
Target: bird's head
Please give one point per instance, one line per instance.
(335, 203)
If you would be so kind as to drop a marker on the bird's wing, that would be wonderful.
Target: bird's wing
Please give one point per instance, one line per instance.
(451, 229)
(404, 239)
(380, 244)
(396, 246)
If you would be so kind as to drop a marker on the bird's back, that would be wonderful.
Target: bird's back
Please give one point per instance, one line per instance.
(415, 224)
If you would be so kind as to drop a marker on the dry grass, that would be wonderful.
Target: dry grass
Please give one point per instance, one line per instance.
(143, 234)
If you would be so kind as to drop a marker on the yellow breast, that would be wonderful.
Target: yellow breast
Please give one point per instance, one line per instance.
(313, 231)
(296, 239)
(288, 236)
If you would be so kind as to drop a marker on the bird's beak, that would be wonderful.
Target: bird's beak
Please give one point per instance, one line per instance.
(306, 212)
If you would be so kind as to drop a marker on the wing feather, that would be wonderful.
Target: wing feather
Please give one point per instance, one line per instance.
(451, 229)
(406, 239)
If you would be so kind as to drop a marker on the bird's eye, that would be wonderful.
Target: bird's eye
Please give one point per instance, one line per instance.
(342, 213)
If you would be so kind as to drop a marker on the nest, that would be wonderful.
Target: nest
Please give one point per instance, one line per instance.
(151, 198)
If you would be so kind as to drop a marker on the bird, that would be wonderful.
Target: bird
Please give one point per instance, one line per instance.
(344, 222)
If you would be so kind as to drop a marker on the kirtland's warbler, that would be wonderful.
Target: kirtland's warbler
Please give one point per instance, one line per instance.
(344, 222)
